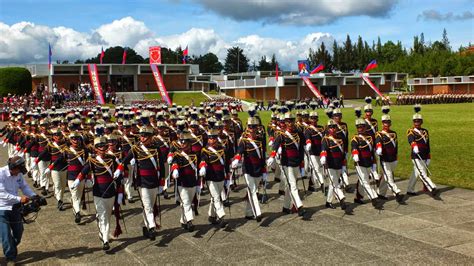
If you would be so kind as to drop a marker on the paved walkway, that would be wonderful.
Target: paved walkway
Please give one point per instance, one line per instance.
(425, 231)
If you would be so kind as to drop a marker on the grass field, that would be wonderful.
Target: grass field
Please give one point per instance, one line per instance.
(180, 98)
(451, 129)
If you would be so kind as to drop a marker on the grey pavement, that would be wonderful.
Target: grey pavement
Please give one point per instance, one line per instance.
(425, 231)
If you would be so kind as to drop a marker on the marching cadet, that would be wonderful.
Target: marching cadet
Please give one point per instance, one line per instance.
(362, 146)
(386, 143)
(213, 169)
(76, 156)
(164, 138)
(57, 170)
(314, 134)
(146, 157)
(291, 143)
(42, 139)
(127, 140)
(106, 189)
(184, 169)
(418, 138)
(342, 132)
(332, 157)
(371, 129)
(251, 154)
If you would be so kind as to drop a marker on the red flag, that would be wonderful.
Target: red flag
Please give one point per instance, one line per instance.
(185, 55)
(102, 54)
(155, 55)
(317, 69)
(371, 65)
(276, 74)
(124, 56)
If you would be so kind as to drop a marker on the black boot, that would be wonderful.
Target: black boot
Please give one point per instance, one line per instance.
(343, 204)
(152, 234)
(400, 198)
(301, 211)
(106, 246)
(190, 226)
(412, 193)
(60, 205)
(329, 205)
(286, 210)
(145, 231)
(435, 193)
(212, 220)
(382, 197)
(258, 218)
(77, 218)
(311, 188)
(222, 223)
(44, 192)
(377, 205)
(166, 195)
(358, 201)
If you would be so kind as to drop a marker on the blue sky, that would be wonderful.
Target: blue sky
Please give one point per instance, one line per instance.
(168, 21)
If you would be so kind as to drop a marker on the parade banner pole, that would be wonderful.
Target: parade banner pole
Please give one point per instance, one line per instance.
(160, 84)
(312, 87)
(372, 85)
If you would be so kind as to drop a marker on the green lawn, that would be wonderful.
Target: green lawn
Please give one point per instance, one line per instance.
(179, 98)
(451, 130)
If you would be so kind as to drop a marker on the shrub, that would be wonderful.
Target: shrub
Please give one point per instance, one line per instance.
(15, 80)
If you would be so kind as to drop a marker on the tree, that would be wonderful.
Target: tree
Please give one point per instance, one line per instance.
(263, 65)
(273, 63)
(236, 61)
(336, 58)
(321, 56)
(15, 80)
(208, 63)
(445, 40)
(348, 55)
(114, 55)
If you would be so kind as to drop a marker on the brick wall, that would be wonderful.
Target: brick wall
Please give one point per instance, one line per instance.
(172, 82)
(349, 91)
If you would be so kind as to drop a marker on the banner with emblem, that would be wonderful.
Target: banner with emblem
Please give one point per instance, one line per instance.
(311, 86)
(95, 82)
(160, 83)
(155, 54)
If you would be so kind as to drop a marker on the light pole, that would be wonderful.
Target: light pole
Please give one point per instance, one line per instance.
(238, 60)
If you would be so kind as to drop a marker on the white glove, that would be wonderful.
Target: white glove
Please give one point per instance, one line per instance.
(308, 147)
(226, 183)
(202, 171)
(427, 162)
(270, 162)
(132, 161)
(379, 151)
(416, 150)
(322, 159)
(270, 143)
(2, 142)
(265, 177)
(89, 183)
(160, 189)
(235, 163)
(302, 171)
(169, 160)
(117, 173)
(46, 171)
(279, 150)
(119, 198)
(175, 173)
(374, 172)
(75, 183)
(33, 165)
(355, 157)
(21, 154)
(198, 189)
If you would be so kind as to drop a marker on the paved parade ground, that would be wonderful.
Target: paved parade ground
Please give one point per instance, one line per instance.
(424, 231)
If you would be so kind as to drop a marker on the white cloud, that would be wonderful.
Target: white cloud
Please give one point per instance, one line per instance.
(301, 12)
(28, 43)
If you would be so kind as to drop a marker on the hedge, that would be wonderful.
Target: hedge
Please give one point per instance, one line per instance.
(15, 80)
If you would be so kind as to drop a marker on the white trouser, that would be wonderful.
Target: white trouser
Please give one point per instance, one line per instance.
(76, 195)
(186, 194)
(419, 170)
(252, 200)
(11, 150)
(307, 164)
(281, 175)
(167, 180)
(216, 207)
(27, 161)
(44, 179)
(334, 186)
(364, 183)
(35, 172)
(317, 172)
(127, 182)
(291, 190)
(59, 182)
(148, 196)
(388, 180)
(103, 208)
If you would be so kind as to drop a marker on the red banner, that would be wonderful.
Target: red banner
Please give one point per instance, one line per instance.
(95, 82)
(160, 83)
(155, 55)
(312, 87)
(372, 85)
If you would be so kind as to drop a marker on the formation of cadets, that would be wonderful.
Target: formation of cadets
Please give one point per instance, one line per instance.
(433, 99)
(159, 150)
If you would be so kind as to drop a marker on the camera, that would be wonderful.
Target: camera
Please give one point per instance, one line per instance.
(33, 206)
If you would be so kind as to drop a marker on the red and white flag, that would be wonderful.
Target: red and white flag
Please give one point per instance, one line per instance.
(155, 55)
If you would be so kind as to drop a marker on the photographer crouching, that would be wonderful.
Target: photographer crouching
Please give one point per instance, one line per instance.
(11, 205)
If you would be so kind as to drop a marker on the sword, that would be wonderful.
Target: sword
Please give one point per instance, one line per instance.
(424, 164)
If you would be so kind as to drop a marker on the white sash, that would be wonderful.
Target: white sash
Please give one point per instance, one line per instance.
(228, 136)
(152, 158)
(388, 136)
(189, 160)
(293, 139)
(218, 155)
(194, 136)
(334, 140)
(419, 133)
(164, 142)
(256, 147)
(366, 141)
(112, 153)
(127, 139)
(340, 128)
(370, 124)
(78, 157)
(317, 131)
(105, 166)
